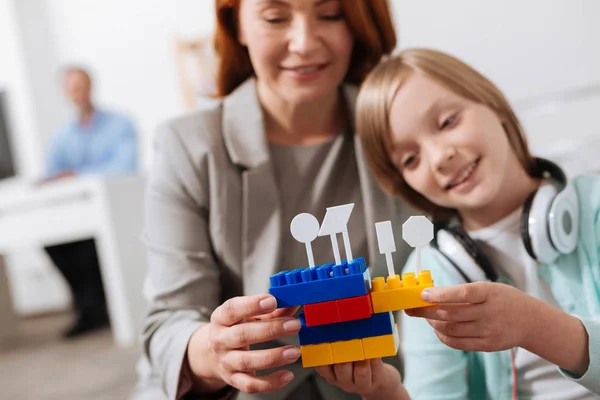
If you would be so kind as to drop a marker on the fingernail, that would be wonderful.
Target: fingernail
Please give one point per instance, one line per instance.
(292, 325)
(268, 304)
(426, 294)
(291, 354)
(285, 378)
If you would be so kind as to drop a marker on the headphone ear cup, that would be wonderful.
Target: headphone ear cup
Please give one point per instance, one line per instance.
(535, 228)
(526, 238)
(563, 220)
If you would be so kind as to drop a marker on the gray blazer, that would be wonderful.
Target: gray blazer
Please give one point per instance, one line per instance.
(213, 229)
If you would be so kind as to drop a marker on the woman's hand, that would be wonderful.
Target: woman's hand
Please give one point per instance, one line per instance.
(372, 379)
(219, 354)
(480, 316)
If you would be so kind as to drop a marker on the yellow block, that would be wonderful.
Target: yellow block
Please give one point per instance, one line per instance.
(381, 346)
(314, 355)
(395, 295)
(347, 351)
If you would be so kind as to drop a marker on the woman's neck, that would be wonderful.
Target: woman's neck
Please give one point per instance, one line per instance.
(301, 124)
(517, 187)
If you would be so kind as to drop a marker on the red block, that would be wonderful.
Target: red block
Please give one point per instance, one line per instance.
(354, 308)
(321, 313)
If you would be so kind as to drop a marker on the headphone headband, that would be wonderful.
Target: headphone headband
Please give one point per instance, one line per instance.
(549, 227)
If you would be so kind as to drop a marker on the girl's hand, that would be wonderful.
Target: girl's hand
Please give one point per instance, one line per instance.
(480, 316)
(372, 379)
(219, 354)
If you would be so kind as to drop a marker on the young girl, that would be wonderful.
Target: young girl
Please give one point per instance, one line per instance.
(516, 260)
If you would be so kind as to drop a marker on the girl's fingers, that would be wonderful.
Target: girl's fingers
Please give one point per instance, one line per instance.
(465, 344)
(465, 293)
(258, 360)
(260, 384)
(458, 329)
(449, 312)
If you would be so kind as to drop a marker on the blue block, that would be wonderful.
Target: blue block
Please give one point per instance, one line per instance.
(323, 283)
(376, 325)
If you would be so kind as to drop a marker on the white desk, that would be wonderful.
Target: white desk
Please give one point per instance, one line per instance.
(109, 210)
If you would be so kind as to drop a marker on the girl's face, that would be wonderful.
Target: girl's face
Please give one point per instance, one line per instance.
(451, 150)
(300, 49)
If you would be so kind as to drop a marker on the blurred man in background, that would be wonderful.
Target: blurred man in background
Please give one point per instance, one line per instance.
(96, 142)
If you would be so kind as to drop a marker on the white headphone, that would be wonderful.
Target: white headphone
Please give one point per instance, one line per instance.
(549, 228)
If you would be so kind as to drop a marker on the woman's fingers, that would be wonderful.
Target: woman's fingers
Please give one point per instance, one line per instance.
(363, 377)
(343, 372)
(253, 332)
(258, 360)
(260, 384)
(326, 371)
(282, 312)
(237, 309)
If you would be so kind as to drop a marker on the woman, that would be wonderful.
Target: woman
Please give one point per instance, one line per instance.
(227, 181)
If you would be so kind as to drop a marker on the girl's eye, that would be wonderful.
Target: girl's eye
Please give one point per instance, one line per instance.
(450, 121)
(408, 161)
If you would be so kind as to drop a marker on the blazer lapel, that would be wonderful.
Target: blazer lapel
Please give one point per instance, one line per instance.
(244, 135)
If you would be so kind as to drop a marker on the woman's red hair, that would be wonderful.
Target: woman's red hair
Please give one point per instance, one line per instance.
(370, 22)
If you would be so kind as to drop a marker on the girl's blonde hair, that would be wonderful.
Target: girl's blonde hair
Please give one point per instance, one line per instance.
(373, 115)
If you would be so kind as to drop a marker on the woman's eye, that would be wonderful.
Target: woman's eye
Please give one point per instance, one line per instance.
(274, 20)
(449, 121)
(333, 17)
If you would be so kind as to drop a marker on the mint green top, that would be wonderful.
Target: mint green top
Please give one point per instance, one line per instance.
(435, 371)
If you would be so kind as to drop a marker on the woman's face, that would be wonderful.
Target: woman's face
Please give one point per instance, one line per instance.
(300, 49)
(451, 150)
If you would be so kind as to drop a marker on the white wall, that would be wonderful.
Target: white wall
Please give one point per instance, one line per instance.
(128, 46)
(40, 64)
(528, 48)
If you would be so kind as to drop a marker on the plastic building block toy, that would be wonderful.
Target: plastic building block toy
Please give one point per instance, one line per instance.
(376, 325)
(381, 346)
(394, 295)
(354, 308)
(321, 313)
(341, 310)
(315, 355)
(318, 284)
(347, 351)
(348, 316)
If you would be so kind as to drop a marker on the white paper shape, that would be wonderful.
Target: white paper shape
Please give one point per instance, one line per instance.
(336, 221)
(387, 245)
(417, 231)
(305, 229)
